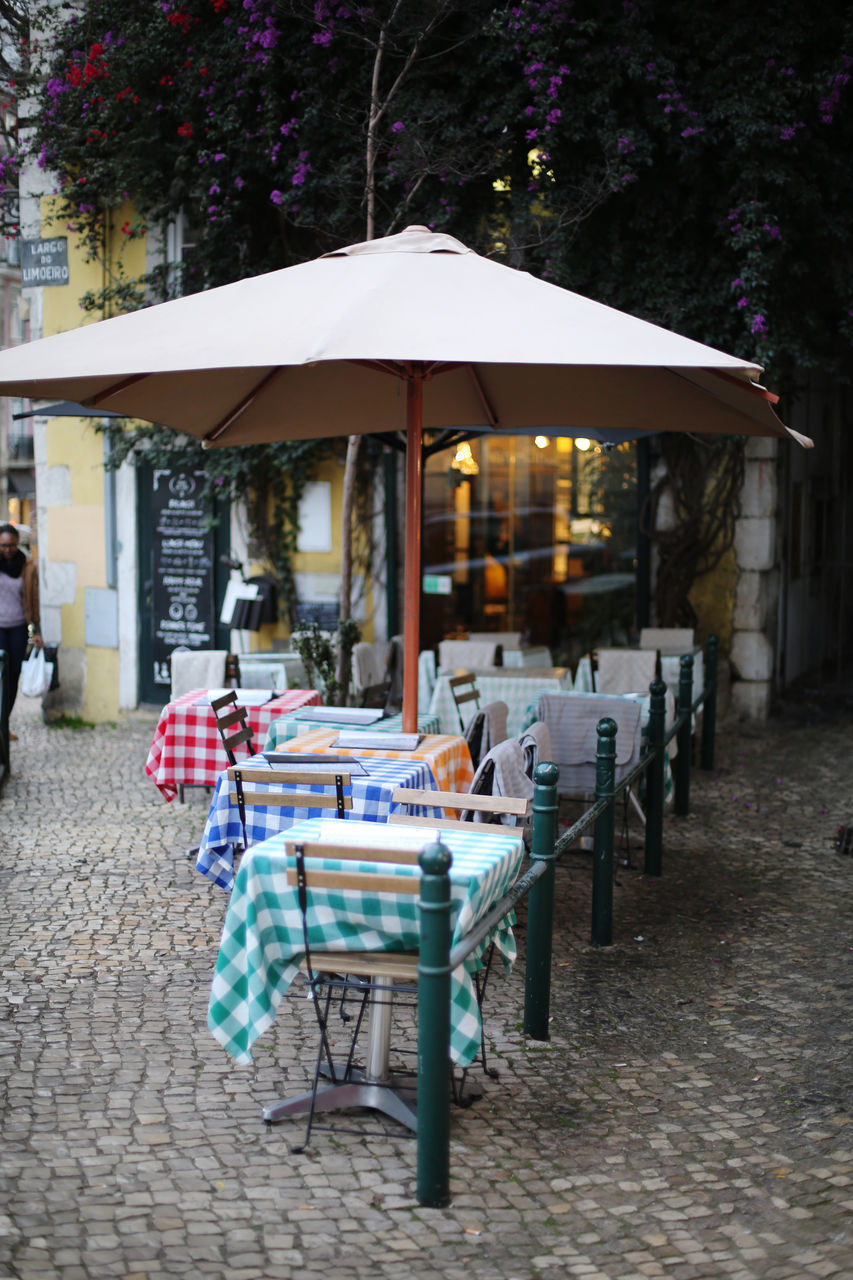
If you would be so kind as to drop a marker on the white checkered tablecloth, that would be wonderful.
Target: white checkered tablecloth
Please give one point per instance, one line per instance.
(536, 656)
(187, 749)
(262, 941)
(516, 686)
(447, 755)
(292, 726)
(371, 801)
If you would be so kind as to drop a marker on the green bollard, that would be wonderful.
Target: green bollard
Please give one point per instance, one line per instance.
(602, 869)
(540, 904)
(654, 779)
(709, 709)
(434, 1028)
(684, 737)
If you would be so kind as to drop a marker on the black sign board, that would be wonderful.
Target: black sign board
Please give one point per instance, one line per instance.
(44, 262)
(183, 593)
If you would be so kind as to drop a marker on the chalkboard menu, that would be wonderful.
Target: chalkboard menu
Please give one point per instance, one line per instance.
(183, 593)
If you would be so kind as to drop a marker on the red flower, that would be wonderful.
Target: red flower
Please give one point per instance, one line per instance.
(185, 130)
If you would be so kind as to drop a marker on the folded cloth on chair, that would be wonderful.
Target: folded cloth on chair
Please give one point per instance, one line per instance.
(535, 743)
(196, 669)
(466, 653)
(572, 721)
(501, 773)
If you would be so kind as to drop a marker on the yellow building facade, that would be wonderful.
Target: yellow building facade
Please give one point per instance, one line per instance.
(91, 523)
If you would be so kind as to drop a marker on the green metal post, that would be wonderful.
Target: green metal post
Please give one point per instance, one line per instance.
(540, 904)
(602, 869)
(709, 708)
(654, 778)
(684, 737)
(434, 1028)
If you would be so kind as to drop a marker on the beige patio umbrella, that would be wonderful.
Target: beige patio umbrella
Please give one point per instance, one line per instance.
(408, 333)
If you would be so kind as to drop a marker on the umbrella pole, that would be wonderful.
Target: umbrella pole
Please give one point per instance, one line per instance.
(412, 591)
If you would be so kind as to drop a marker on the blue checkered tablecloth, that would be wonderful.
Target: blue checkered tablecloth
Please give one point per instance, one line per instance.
(371, 800)
(262, 940)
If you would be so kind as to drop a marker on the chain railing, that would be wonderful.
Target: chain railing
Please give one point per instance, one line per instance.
(438, 959)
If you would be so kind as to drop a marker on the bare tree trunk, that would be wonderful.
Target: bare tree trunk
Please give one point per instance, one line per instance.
(376, 111)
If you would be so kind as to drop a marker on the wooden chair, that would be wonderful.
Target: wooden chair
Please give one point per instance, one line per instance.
(495, 807)
(469, 804)
(377, 976)
(375, 695)
(464, 689)
(290, 776)
(229, 714)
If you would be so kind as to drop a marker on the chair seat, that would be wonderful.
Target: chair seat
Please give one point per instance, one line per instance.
(368, 964)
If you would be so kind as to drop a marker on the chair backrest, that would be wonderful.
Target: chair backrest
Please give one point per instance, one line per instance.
(464, 690)
(626, 670)
(667, 639)
(232, 721)
(467, 653)
(329, 878)
(290, 776)
(488, 808)
(196, 669)
(535, 743)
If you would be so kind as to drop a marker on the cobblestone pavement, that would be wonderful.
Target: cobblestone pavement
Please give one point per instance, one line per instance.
(689, 1118)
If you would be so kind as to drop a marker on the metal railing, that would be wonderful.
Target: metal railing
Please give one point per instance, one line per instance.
(438, 959)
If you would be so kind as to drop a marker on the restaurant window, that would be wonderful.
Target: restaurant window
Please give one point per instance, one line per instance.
(536, 535)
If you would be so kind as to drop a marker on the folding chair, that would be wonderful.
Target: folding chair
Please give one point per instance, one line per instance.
(495, 808)
(377, 976)
(464, 689)
(290, 776)
(485, 729)
(229, 713)
(473, 806)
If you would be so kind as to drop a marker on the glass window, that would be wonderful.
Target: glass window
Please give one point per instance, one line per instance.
(531, 535)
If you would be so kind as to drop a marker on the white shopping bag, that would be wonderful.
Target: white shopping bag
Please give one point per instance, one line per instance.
(36, 675)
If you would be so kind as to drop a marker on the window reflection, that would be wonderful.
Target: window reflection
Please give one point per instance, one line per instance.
(534, 535)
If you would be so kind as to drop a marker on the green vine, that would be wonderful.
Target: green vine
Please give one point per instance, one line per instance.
(703, 479)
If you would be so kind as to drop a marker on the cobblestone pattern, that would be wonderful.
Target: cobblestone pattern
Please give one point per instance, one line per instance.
(689, 1118)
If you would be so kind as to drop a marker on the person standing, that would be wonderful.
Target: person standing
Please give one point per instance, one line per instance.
(19, 608)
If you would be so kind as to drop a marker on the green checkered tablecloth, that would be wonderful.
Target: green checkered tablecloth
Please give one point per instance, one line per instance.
(287, 727)
(516, 686)
(262, 940)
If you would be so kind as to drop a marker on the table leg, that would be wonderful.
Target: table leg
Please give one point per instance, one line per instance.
(374, 1087)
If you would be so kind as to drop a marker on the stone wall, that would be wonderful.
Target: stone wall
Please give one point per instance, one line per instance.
(757, 590)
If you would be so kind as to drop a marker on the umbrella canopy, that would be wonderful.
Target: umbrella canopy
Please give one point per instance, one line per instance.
(411, 332)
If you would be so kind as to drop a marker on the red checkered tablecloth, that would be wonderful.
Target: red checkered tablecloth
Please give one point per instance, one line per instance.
(187, 750)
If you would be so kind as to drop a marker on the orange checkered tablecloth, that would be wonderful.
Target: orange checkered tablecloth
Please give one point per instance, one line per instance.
(446, 754)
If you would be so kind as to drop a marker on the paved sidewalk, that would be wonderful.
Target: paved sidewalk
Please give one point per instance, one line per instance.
(690, 1117)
